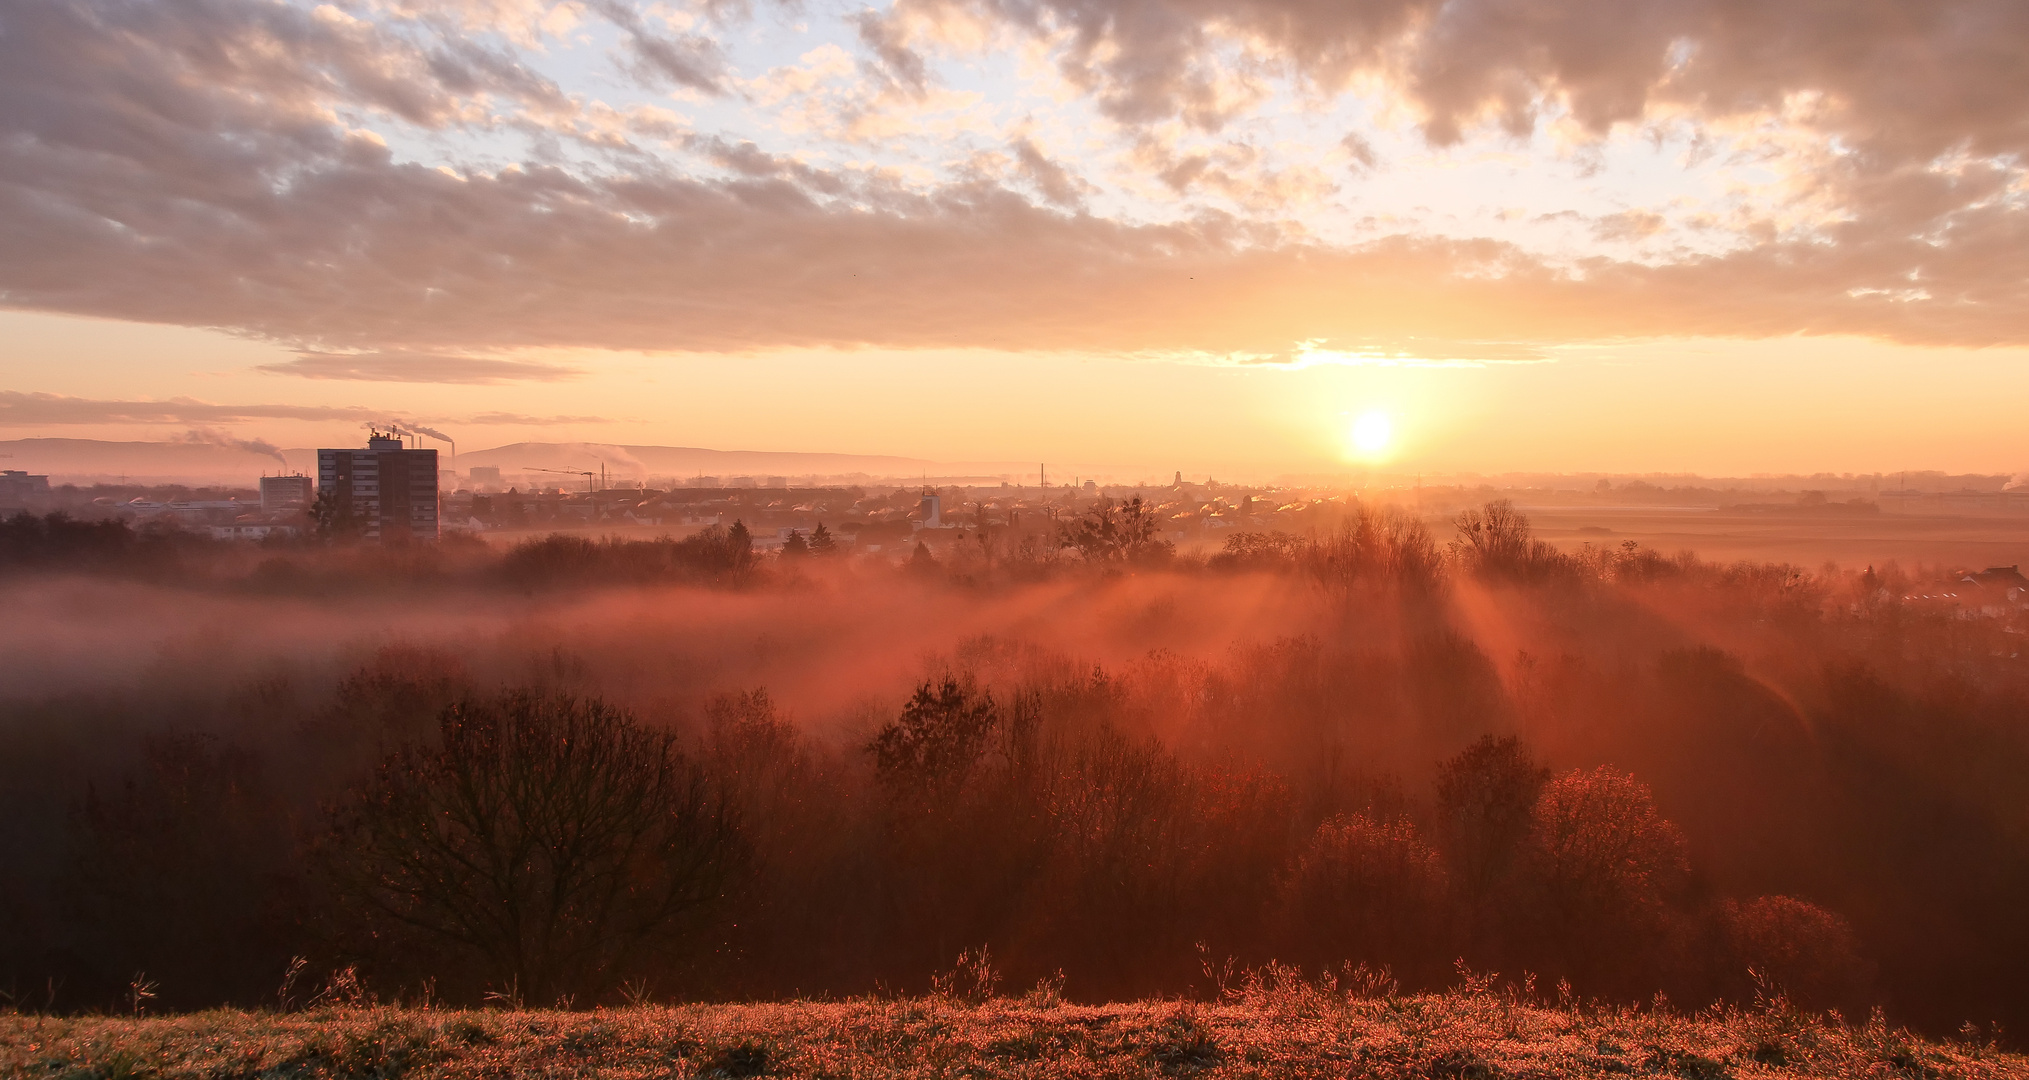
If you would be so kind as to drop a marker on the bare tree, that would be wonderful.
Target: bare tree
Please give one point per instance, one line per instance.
(553, 839)
(1494, 538)
(1496, 541)
(1376, 544)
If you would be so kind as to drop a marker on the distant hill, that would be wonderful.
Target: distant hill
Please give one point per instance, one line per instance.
(91, 461)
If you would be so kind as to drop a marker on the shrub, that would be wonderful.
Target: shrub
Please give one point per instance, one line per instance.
(1792, 947)
(1368, 891)
(1604, 864)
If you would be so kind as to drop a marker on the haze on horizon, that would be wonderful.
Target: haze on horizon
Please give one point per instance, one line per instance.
(1217, 235)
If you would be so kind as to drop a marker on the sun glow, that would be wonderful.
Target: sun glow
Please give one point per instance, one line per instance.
(1372, 433)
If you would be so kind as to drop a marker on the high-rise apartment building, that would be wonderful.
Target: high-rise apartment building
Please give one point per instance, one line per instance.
(390, 489)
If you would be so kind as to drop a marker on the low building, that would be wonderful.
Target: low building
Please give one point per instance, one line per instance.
(260, 530)
(285, 493)
(17, 488)
(1996, 592)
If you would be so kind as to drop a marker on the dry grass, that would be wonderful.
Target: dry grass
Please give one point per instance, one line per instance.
(1289, 1029)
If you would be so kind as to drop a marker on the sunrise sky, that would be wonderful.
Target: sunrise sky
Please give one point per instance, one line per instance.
(1722, 236)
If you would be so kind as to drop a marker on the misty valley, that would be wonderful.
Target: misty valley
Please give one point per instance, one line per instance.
(1392, 754)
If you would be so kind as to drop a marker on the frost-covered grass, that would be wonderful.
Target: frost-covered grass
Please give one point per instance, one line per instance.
(1289, 1032)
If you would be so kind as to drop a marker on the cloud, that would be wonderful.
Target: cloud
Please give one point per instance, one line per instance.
(688, 60)
(24, 409)
(1360, 153)
(1629, 225)
(192, 164)
(18, 409)
(1055, 183)
(1918, 81)
(504, 419)
(412, 367)
(885, 37)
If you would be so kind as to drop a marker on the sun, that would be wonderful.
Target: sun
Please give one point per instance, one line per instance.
(1372, 433)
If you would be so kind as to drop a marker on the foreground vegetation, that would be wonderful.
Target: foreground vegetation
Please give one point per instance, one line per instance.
(1279, 1027)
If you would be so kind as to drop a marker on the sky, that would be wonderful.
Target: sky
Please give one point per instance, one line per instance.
(1717, 236)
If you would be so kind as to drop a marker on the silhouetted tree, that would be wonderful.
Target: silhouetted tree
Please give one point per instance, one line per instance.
(822, 542)
(1110, 533)
(29, 540)
(336, 518)
(940, 736)
(718, 552)
(181, 872)
(559, 558)
(1604, 865)
(1375, 544)
(554, 840)
(1258, 551)
(1496, 541)
(1486, 798)
(1368, 891)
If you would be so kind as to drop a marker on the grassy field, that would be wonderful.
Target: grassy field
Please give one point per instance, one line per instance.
(1301, 1032)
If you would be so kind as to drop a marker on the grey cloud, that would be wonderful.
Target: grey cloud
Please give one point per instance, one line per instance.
(414, 367)
(17, 408)
(753, 163)
(1629, 225)
(1362, 152)
(504, 419)
(900, 64)
(1914, 80)
(691, 60)
(1053, 181)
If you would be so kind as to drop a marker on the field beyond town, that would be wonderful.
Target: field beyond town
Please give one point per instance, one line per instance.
(1277, 1028)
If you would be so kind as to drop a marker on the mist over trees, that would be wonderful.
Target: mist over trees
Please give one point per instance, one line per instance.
(1607, 768)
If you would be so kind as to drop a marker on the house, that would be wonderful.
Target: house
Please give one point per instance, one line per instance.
(1995, 592)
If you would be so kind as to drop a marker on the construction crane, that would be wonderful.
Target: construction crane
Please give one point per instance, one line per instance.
(586, 473)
